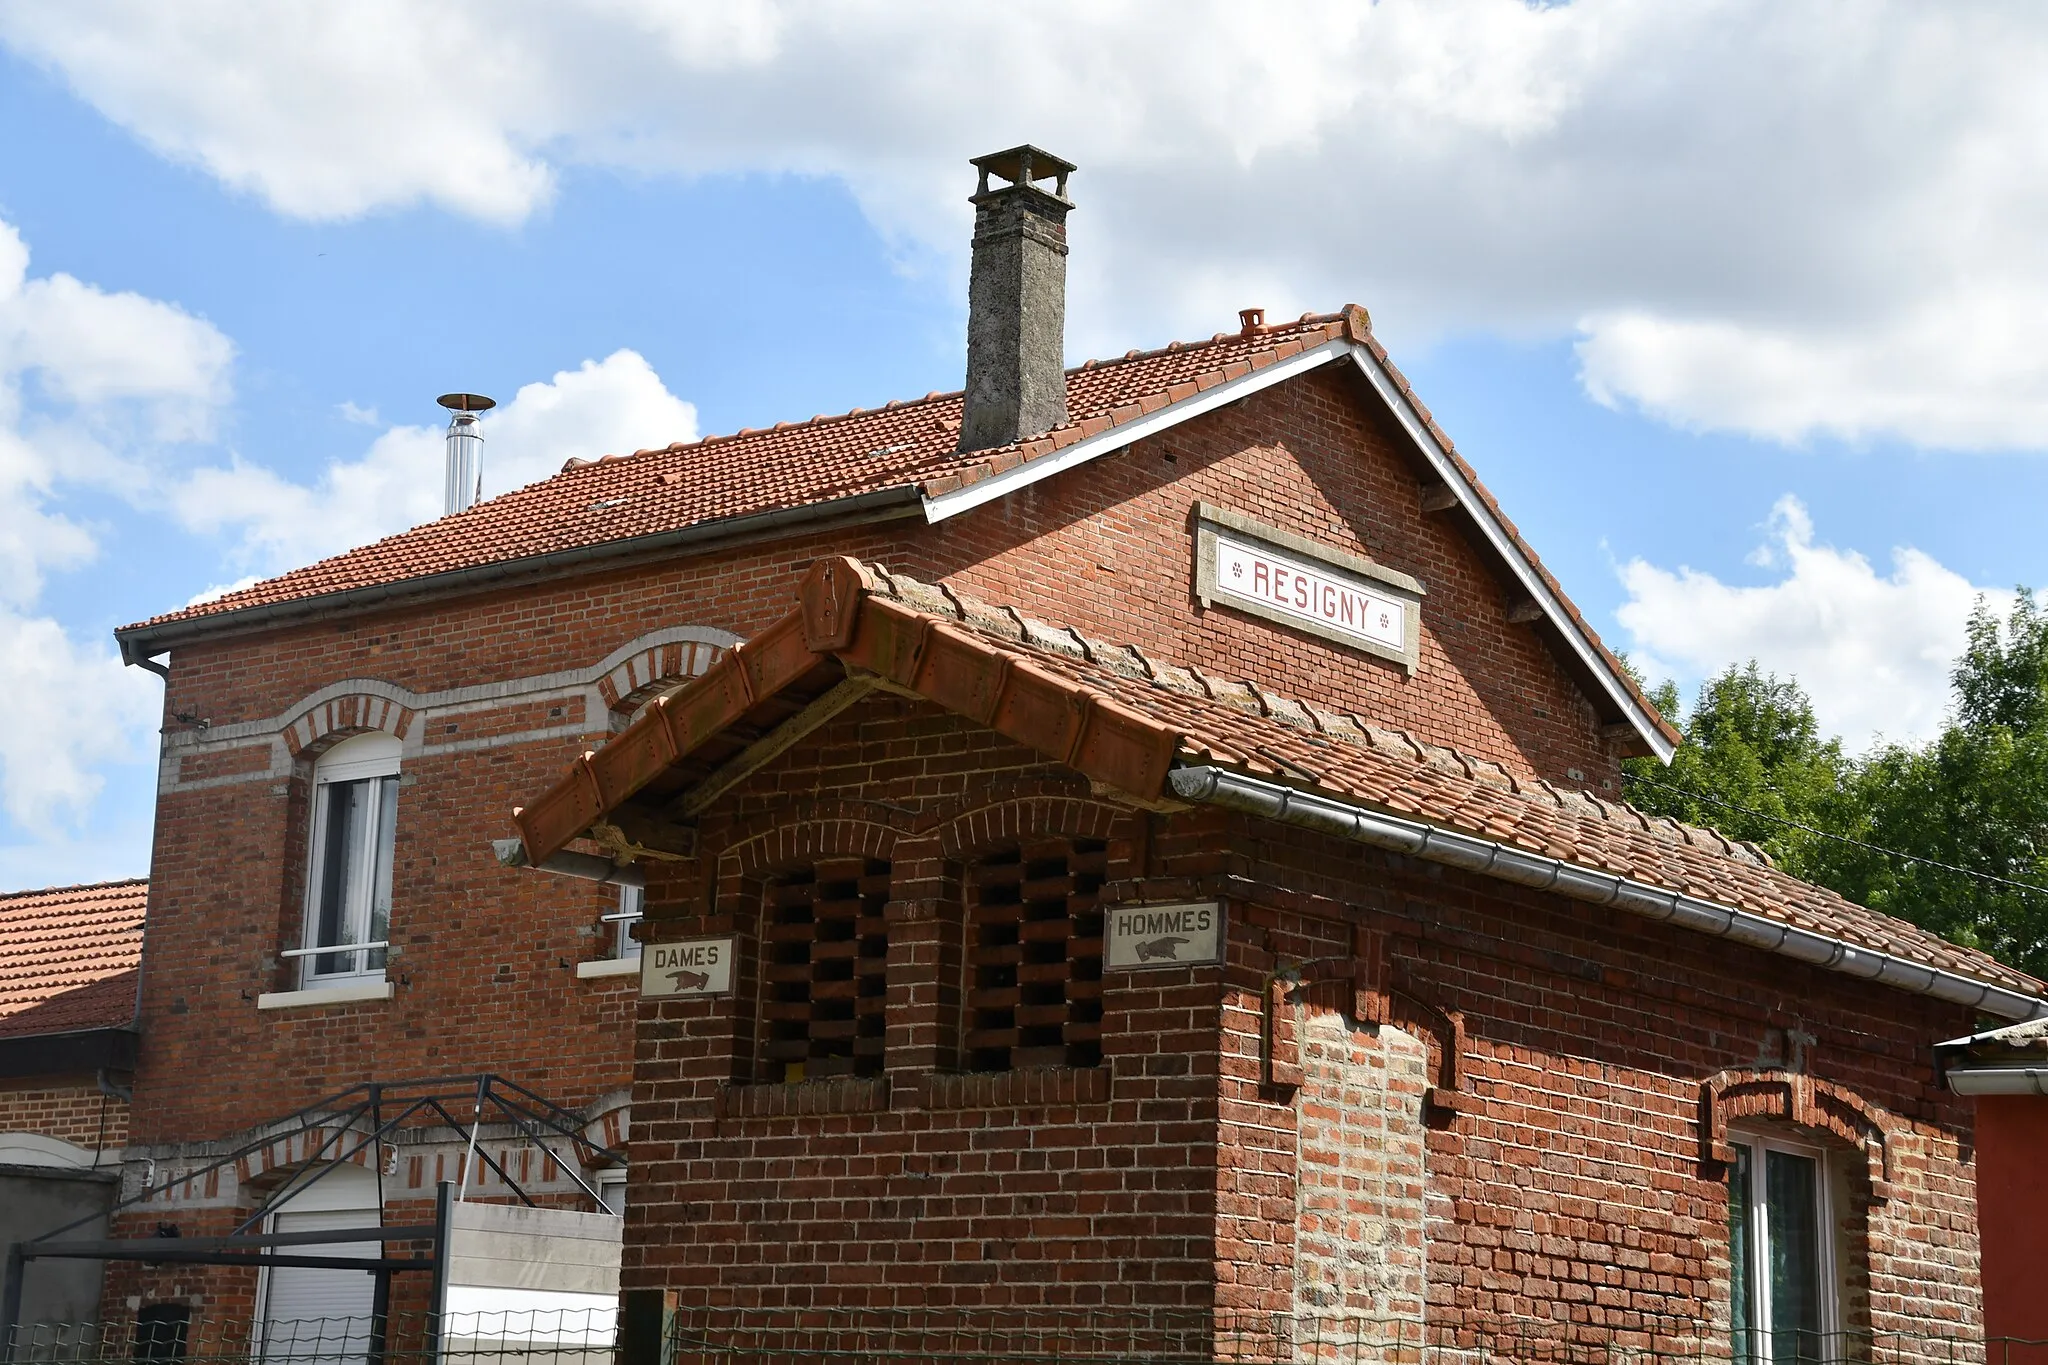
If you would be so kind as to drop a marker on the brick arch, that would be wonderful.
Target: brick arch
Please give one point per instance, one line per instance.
(293, 1151)
(847, 832)
(1362, 986)
(1806, 1102)
(611, 1121)
(642, 670)
(1012, 817)
(320, 725)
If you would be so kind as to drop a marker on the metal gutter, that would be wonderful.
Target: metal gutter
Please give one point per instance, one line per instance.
(1235, 791)
(139, 644)
(1116, 438)
(1496, 534)
(1999, 1080)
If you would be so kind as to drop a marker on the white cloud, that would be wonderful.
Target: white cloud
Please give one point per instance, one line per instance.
(72, 710)
(613, 406)
(220, 590)
(92, 383)
(89, 381)
(1872, 650)
(88, 350)
(1789, 220)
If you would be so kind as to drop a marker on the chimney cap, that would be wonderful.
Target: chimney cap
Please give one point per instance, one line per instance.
(466, 402)
(1023, 165)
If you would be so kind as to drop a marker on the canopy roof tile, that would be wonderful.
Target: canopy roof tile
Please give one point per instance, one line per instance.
(1128, 722)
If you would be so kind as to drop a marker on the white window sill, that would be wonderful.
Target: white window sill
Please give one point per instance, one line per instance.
(608, 966)
(314, 997)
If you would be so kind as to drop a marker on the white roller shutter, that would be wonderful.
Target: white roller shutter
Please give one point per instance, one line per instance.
(320, 1317)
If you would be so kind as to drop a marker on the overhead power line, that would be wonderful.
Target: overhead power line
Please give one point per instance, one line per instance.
(1692, 795)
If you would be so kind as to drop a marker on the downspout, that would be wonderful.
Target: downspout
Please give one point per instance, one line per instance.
(1307, 810)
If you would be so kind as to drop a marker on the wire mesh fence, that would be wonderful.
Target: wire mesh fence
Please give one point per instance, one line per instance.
(1123, 1336)
(1138, 1336)
(506, 1337)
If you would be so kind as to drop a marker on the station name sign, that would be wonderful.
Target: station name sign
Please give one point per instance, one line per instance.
(698, 966)
(1162, 935)
(1267, 572)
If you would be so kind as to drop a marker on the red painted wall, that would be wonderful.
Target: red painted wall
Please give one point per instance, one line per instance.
(2012, 1216)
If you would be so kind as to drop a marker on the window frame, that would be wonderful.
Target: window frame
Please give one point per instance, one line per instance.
(609, 1179)
(379, 767)
(1827, 1268)
(632, 908)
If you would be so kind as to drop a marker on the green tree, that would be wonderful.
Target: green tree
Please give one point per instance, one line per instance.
(1752, 765)
(1974, 798)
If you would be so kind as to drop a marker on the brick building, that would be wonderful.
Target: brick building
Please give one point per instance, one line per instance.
(2005, 1072)
(68, 995)
(1147, 836)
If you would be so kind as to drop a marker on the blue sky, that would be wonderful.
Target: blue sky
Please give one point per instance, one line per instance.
(1747, 395)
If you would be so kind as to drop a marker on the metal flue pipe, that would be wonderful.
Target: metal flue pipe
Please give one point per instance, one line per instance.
(465, 475)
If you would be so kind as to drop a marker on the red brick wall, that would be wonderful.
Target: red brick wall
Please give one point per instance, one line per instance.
(925, 1188)
(1108, 548)
(1558, 1187)
(71, 1109)
(1573, 1185)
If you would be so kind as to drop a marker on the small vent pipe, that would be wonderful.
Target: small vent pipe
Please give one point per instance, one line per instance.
(465, 480)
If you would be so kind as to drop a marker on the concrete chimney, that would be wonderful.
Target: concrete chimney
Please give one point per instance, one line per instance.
(465, 480)
(1017, 300)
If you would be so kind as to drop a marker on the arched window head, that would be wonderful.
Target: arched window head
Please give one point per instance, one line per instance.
(348, 877)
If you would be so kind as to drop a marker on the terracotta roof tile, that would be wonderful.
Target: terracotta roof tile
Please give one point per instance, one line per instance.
(789, 465)
(903, 444)
(1245, 726)
(1195, 718)
(69, 957)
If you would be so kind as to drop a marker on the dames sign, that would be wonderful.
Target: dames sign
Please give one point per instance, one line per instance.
(698, 966)
(1265, 571)
(1162, 935)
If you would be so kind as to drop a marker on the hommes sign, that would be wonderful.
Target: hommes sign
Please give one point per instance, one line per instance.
(1162, 935)
(1267, 572)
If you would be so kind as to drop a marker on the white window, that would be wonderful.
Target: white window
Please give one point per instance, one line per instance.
(1781, 1243)
(348, 877)
(632, 904)
(611, 1188)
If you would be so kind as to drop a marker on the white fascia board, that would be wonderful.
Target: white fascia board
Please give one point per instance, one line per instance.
(596, 968)
(1496, 534)
(1116, 438)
